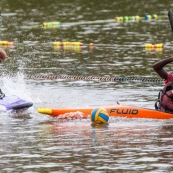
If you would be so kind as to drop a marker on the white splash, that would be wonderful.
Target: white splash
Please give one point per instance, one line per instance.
(16, 86)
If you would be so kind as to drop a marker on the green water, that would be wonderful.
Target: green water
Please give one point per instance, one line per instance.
(45, 144)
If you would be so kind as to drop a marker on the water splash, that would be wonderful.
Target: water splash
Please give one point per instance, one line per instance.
(16, 86)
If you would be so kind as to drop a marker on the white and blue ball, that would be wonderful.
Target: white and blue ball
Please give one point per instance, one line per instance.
(99, 115)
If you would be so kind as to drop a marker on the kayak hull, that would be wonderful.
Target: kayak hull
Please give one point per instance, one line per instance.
(13, 103)
(114, 110)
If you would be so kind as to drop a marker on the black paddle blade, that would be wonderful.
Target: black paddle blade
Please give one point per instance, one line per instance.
(170, 16)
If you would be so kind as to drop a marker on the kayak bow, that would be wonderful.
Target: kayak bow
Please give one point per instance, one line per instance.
(13, 103)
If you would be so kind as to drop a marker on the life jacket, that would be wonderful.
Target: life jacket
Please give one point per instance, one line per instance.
(165, 98)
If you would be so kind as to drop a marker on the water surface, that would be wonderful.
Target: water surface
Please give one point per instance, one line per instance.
(39, 143)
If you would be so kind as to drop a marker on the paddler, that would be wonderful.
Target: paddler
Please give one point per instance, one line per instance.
(165, 98)
(3, 56)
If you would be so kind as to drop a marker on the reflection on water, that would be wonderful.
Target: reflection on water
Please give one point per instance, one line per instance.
(133, 143)
(45, 144)
(68, 49)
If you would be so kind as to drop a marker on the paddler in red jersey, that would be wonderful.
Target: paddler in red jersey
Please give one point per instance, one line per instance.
(3, 56)
(165, 98)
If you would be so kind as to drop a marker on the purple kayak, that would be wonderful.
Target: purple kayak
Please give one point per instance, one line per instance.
(14, 103)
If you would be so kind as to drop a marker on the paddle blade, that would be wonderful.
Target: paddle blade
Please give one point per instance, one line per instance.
(170, 16)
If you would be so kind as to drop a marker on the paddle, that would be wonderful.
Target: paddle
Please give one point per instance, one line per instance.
(0, 19)
(170, 16)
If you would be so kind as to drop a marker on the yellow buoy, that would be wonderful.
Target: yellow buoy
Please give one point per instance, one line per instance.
(154, 45)
(68, 43)
(7, 43)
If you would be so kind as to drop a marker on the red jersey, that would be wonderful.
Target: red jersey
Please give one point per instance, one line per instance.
(166, 96)
(169, 78)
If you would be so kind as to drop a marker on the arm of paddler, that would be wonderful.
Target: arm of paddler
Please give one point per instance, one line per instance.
(3, 55)
(158, 67)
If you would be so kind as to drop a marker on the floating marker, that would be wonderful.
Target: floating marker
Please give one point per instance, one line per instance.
(137, 18)
(6, 43)
(119, 19)
(68, 49)
(127, 18)
(51, 24)
(154, 45)
(91, 44)
(149, 17)
(155, 16)
(68, 43)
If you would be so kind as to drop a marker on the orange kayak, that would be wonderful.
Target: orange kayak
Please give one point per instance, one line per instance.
(114, 110)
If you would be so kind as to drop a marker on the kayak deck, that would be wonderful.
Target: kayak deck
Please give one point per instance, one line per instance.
(114, 110)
